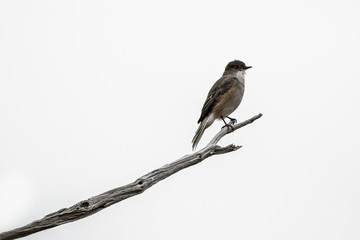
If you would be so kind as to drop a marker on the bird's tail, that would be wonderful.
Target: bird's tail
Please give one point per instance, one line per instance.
(200, 131)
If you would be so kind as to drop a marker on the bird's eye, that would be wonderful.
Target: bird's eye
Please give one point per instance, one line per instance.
(236, 67)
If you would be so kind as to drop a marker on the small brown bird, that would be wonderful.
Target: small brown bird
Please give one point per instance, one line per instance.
(223, 98)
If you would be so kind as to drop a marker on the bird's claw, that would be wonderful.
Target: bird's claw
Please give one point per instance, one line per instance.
(233, 121)
(228, 126)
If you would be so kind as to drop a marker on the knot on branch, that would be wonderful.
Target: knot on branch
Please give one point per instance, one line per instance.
(84, 204)
(140, 184)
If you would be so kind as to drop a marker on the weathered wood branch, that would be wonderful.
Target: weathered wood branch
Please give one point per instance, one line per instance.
(94, 204)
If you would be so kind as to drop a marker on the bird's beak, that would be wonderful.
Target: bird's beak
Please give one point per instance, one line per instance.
(247, 67)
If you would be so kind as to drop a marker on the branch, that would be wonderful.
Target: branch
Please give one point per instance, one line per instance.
(94, 204)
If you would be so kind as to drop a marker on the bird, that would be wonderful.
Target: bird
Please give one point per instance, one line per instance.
(223, 98)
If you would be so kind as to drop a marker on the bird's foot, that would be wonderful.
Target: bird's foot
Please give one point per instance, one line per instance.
(228, 126)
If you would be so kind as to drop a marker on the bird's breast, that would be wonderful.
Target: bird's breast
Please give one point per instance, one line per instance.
(229, 101)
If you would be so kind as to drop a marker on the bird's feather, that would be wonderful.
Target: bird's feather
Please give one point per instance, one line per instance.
(220, 87)
(200, 131)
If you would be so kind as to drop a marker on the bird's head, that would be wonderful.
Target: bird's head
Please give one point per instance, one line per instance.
(235, 66)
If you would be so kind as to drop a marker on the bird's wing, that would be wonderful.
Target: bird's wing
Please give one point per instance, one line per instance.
(219, 88)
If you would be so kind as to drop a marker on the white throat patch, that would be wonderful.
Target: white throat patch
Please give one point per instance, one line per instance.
(241, 76)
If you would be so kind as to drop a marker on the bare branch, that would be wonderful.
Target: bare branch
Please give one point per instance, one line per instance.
(94, 204)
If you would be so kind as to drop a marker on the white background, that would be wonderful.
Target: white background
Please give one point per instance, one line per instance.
(94, 94)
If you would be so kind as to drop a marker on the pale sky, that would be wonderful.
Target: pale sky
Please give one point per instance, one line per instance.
(94, 94)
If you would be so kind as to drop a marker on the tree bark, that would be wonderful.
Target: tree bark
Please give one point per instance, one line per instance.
(94, 204)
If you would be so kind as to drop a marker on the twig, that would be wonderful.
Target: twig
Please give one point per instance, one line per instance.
(94, 204)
